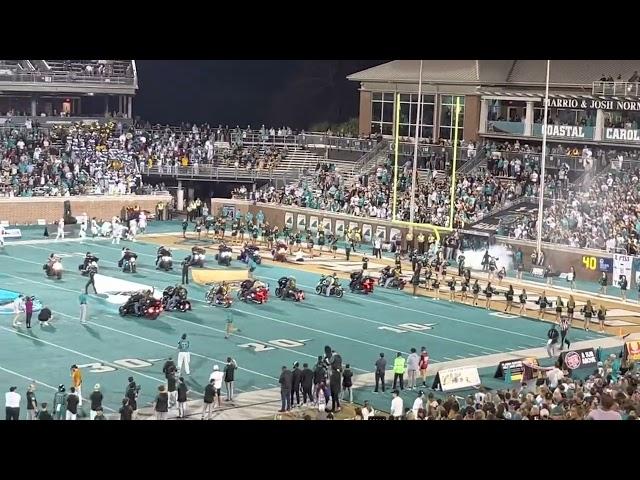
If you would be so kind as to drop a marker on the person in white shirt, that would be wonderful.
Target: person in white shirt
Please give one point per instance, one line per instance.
(60, 229)
(142, 222)
(418, 403)
(217, 376)
(367, 411)
(12, 404)
(397, 405)
(554, 376)
(18, 306)
(116, 233)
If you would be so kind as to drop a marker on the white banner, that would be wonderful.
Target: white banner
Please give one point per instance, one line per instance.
(624, 134)
(313, 224)
(326, 223)
(288, 220)
(302, 222)
(458, 377)
(381, 232)
(366, 233)
(352, 226)
(622, 265)
(395, 234)
(12, 233)
(339, 233)
(117, 291)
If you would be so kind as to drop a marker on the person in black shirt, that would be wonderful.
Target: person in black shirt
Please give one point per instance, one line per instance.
(509, 296)
(182, 398)
(296, 379)
(132, 395)
(475, 289)
(381, 368)
(100, 414)
(623, 283)
(72, 404)
(44, 316)
(162, 403)
(552, 336)
(320, 372)
(347, 250)
(229, 377)
(186, 263)
(44, 413)
(92, 273)
(171, 388)
(347, 383)
(286, 384)
(96, 401)
(126, 412)
(32, 403)
(334, 385)
(306, 380)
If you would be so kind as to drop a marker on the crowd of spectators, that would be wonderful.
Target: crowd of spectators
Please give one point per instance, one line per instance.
(68, 160)
(605, 215)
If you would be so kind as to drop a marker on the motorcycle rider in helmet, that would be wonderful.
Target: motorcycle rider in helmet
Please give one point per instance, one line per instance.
(221, 292)
(289, 287)
(162, 251)
(329, 282)
(395, 276)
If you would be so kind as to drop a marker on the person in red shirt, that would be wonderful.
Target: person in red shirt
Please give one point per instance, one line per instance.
(423, 364)
(28, 310)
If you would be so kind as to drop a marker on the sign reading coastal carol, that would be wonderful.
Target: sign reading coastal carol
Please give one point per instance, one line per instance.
(565, 131)
(625, 134)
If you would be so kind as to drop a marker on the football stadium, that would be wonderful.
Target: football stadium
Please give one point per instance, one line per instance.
(469, 251)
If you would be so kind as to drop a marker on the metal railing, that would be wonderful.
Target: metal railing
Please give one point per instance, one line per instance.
(337, 143)
(553, 161)
(46, 77)
(629, 89)
(210, 172)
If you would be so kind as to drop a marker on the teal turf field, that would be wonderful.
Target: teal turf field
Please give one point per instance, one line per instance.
(111, 348)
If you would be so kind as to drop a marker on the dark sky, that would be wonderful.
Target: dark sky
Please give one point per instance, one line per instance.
(294, 93)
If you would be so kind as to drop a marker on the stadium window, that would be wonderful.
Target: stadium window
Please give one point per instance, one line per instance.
(447, 117)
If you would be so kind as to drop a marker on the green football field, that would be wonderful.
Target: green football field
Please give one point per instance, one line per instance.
(111, 348)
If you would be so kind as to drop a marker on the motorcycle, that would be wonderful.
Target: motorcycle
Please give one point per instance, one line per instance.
(53, 269)
(250, 252)
(296, 295)
(166, 263)
(151, 309)
(261, 295)
(90, 263)
(321, 288)
(210, 297)
(224, 256)
(197, 259)
(175, 298)
(365, 285)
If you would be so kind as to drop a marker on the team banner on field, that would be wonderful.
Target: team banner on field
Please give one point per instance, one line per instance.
(302, 222)
(366, 233)
(456, 378)
(395, 234)
(633, 350)
(576, 359)
(339, 229)
(326, 224)
(288, 220)
(622, 265)
(515, 369)
(353, 226)
(313, 224)
(381, 232)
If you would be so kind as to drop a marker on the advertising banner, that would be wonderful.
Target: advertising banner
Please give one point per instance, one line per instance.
(366, 233)
(456, 378)
(326, 223)
(622, 265)
(288, 220)
(381, 232)
(313, 224)
(302, 222)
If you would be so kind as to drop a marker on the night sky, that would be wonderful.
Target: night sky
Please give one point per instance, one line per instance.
(295, 93)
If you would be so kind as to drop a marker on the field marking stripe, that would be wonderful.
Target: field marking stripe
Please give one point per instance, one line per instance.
(243, 311)
(76, 352)
(126, 333)
(47, 385)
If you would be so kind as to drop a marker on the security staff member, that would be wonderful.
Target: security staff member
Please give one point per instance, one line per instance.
(381, 367)
(186, 263)
(421, 243)
(399, 367)
(92, 272)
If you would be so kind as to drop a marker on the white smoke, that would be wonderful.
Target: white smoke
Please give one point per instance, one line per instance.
(502, 254)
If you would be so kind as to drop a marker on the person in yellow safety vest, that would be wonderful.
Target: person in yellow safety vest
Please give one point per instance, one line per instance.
(160, 213)
(399, 367)
(409, 242)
